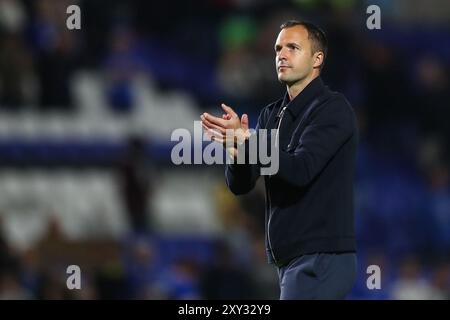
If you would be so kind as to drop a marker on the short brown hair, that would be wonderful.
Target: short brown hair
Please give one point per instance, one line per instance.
(319, 41)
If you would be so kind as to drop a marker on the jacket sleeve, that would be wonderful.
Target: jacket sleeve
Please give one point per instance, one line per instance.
(319, 142)
(241, 178)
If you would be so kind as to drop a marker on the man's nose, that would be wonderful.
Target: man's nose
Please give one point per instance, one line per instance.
(281, 58)
(282, 55)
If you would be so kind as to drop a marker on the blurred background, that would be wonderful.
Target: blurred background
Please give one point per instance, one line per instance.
(86, 118)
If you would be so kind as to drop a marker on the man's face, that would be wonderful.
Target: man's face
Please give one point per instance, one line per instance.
(294, 59)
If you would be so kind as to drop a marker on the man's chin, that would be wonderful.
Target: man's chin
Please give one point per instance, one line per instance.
(283, 79)
(289, 81)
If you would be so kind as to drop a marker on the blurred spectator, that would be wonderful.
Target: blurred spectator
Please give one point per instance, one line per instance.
(135, 174)
(441, 281)
(239, 226)
(263, 276)
(237, 35)
(225, 278)
(12, 16)
(432, 96)
(142, 268)
(180, 282)
(54, 284)
(124, 62)
(11, 289)
(17, 76)
(57, 52)
(410, 284)
(385, 86)
(55, 68)
(31, 271)
(253, 205)
(439, 207)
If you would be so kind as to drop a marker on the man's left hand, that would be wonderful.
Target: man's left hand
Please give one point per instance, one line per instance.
(216, 127)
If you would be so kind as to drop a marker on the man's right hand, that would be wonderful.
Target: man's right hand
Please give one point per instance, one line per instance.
(216, 128)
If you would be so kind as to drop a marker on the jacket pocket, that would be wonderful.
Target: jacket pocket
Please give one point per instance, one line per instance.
(322, 264)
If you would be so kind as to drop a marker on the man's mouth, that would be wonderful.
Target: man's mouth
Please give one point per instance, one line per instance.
(282, 67)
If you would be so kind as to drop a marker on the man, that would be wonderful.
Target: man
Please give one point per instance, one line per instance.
(309, 201)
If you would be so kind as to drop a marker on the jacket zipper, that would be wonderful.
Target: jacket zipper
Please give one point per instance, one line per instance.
(268, 231)
(280, 118)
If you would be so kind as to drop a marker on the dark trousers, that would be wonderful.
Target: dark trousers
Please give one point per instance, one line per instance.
(323, 276)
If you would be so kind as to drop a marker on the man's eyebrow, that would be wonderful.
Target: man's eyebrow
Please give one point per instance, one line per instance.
(293, 44)
(289, 44)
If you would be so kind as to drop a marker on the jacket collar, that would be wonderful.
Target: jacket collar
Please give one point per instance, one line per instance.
(311, 91)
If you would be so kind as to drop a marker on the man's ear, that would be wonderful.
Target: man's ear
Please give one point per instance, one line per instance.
(318, 59)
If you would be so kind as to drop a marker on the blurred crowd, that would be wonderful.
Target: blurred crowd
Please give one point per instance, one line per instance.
(396, 78)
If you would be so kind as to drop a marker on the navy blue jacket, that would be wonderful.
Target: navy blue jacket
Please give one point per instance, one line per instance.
(309, 201)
